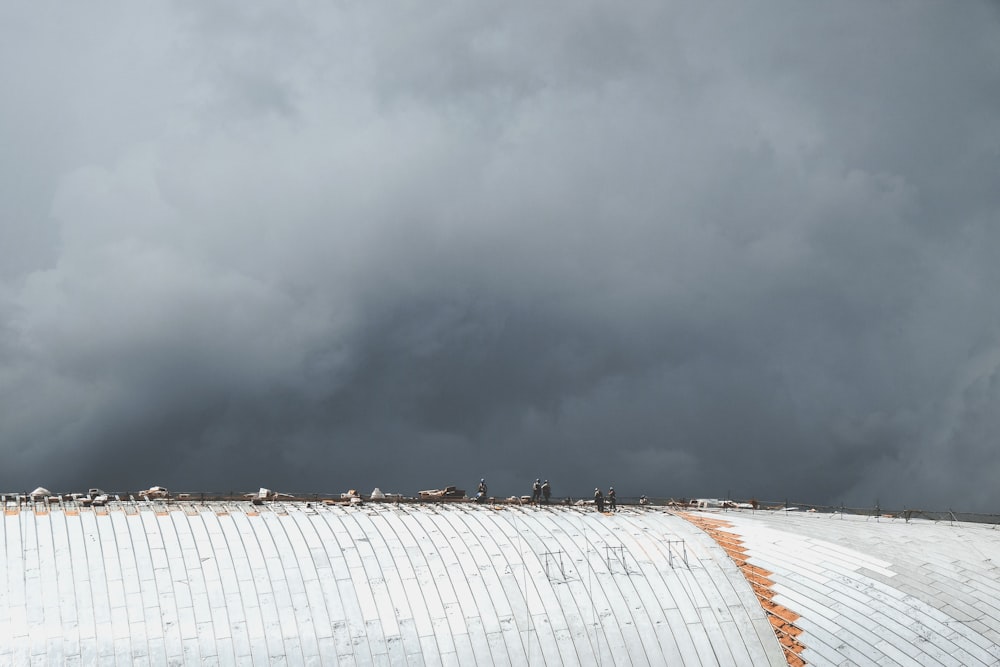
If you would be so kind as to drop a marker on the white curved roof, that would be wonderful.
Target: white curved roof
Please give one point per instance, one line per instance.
(882, 591)
(234, 583)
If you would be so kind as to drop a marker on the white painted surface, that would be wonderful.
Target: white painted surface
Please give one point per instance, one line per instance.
(231, 584)
(882, 591)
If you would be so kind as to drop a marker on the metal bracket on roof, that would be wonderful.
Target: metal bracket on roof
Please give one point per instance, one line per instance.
(682, 552)
(556, 557)
(618, 551)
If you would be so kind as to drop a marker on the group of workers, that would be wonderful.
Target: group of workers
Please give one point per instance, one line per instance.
(541, 492)
(612, 500)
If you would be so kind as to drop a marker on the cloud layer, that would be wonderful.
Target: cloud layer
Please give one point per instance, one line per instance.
(688, 250)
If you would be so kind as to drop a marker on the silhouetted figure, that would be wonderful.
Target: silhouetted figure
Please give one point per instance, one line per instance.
(611, 500)
(481, 492)
(599, 500)
(546, 491)
(536, 491)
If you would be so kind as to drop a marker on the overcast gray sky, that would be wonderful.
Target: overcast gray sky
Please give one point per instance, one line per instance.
(688, 249)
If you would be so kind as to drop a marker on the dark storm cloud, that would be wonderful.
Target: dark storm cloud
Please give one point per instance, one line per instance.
(685, 249)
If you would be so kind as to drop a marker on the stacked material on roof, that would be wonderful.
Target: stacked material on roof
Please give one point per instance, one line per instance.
(447, 493)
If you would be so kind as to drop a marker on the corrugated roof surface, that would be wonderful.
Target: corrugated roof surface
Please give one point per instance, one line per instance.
(882, 591)
(233, 583)
(379, 584)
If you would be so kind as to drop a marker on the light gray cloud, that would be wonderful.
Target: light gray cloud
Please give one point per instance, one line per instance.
(684, 249)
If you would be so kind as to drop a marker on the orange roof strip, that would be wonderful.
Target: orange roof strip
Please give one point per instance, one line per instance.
(780, 617)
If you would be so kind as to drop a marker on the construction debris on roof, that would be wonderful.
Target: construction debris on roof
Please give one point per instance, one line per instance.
(267, 494)
(447, 493)
(351, 497)
(378, 494)
(95, 498)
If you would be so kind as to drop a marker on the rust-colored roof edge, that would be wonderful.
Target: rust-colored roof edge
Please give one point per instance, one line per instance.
(782, 618)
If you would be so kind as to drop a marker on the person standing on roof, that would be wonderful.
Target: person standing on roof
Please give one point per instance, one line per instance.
(613, 506)
(546, 491)
(599, 500)
(536, 491)
(481, 493)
